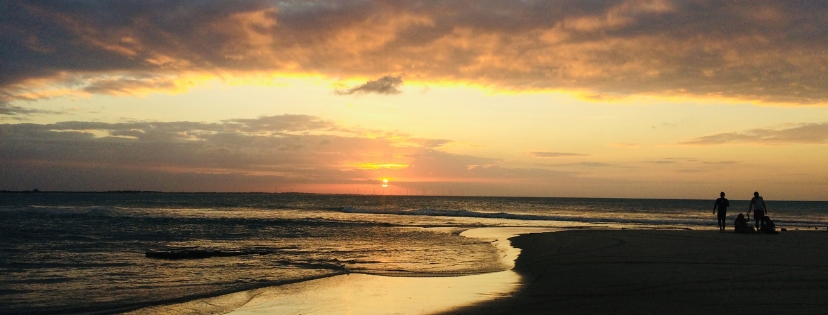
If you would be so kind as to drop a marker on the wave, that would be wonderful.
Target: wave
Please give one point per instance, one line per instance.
(657, 219)
(448, 213)
(200, 253)
(511, 216)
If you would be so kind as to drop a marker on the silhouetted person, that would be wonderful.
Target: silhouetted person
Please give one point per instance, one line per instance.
(759, 209)
(768, 227)
(741, 225)
(721, 205)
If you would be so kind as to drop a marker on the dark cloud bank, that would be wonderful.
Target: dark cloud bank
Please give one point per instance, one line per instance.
(239, 155)
(762, 50)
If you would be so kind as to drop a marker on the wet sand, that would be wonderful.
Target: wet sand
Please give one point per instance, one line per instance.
(354, 294)
(667, 272)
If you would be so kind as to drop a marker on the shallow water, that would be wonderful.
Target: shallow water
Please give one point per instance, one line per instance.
(370, 294)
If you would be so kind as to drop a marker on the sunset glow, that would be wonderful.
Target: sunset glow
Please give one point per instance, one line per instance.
(640, 99)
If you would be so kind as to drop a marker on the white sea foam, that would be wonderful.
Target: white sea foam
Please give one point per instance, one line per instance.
(656, 220)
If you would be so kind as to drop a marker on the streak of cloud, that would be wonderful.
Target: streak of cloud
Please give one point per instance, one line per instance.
(385, 85)
(586, 164)
(11, 110)
(761, 51)
(6, 109)
(662, 162)
(812, 133)
(555, 154)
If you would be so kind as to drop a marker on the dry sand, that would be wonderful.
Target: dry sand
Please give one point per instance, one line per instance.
(667, 272)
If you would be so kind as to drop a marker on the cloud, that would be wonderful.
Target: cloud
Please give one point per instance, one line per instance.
(7, 109)
(248, 146)
(238, 155)
(811, 133)
(385, 85)
(555, 154)
(761, 51)
(586, 164)
(662, 162)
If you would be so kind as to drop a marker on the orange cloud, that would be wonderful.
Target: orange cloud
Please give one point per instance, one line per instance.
(759, 51)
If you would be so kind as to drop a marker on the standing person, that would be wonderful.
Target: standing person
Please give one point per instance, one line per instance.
(721, 205)
(759, 209)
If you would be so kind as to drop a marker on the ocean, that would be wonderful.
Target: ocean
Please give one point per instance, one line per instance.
(87, 253)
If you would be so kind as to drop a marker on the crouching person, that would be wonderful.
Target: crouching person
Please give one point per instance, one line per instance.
(768, 227)
(741, 225)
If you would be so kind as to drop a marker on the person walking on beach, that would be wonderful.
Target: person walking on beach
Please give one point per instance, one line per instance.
(759, 209)
(721, 205)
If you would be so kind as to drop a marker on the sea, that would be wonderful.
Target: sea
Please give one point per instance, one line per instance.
(103, 253)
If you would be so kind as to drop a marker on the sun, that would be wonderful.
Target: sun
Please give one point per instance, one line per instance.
(385, 183)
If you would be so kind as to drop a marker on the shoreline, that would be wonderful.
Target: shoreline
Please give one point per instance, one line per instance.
(358, 293)
(577, 271)
(666, 272)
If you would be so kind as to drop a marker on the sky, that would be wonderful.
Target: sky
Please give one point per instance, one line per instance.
(570, 98)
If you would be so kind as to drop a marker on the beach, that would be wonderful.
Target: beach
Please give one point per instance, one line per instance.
(579, 272)
(667, 272)
(85, 253)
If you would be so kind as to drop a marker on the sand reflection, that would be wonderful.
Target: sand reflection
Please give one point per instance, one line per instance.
(368, 294)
